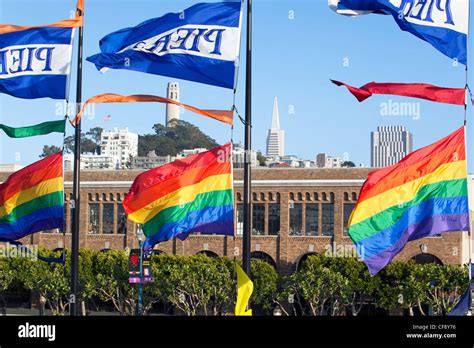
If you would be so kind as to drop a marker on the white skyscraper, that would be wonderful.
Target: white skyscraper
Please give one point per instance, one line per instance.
(389, 144)
(119, 143)
(172, 111)
(275, 136)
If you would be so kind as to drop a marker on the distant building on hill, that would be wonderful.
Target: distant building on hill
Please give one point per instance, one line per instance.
(151, 160)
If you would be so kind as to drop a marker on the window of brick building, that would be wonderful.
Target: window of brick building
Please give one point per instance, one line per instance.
(258, 219)
(108, 218)
(93, 226)
(348, 208)
(296, 219)
(274, 219)
(121, 220)
(328, 219)
(240, 219)
(312, 219)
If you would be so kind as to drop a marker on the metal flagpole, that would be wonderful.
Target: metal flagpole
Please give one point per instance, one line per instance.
(247, 227)
(465, 132)
(73, 300)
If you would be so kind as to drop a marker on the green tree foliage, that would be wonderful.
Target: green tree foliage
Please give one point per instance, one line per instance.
(261, 159)
(110, 270)
(348, 164)
(195, 284)
(171, 140)
(265, 281)
(49, 150)
(90, 141)
(201, 285)
(442, 286)
(318, 289)
(400, 287)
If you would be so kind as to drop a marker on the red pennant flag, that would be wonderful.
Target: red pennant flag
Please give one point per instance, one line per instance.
(455, 96)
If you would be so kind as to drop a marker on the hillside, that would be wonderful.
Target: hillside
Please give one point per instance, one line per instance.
(171, 140)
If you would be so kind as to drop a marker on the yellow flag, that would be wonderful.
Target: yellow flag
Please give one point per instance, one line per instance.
(245, 289)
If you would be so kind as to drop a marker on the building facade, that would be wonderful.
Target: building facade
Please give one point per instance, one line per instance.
(119, 143)
(275, 135)
(151, 160)
(325, 161)
(295, 213)
(389, 144)
(172, 111)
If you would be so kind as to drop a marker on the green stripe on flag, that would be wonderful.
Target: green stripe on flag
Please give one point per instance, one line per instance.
(37, 129)
(388, 217)
(47, 201)
(176, 213)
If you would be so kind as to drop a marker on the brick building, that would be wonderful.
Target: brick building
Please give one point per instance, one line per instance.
(296, 212)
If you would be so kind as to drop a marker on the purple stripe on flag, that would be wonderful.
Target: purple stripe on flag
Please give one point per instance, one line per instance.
(426, 228)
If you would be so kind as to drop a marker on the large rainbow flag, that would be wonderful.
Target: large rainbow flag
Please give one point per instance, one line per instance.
(32, 199)
(194, 194)
(423, 195)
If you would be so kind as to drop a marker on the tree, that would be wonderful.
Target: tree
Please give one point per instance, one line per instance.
(442, 285)
(90, 141)
(171, 140)
(361, 284)
(95, 134)
(317, 288)
(195, 284)
(265, 281)
(6, 276)
(110, 270)
(49, 150)
(400, 287)
(261, 159)
(348, 164)
(49, 280)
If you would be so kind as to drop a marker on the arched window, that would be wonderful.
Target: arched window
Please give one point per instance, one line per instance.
(260, 255)
(302, 259)
(208, 253)
(426, 258)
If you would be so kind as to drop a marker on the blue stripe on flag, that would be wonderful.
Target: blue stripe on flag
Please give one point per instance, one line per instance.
(39, 36)
(35, 86)
(41, 220)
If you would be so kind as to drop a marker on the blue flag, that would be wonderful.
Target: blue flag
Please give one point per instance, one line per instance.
(442, 23)
(35, 63)
(463, 305)
(200, 44)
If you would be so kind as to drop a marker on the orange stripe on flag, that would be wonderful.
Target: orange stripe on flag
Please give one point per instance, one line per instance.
(226, 116)
(78, 21)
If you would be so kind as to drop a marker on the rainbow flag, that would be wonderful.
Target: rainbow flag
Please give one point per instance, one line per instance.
(194, 194)
(423, 195)
(32, 199)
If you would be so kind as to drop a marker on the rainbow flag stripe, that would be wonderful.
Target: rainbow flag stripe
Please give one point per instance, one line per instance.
(423, 195)
(32, 199)
(194, 194)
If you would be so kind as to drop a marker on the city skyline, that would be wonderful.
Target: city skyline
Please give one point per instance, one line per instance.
(312, 111)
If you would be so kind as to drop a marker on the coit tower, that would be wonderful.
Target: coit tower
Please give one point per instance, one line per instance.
(172, 111)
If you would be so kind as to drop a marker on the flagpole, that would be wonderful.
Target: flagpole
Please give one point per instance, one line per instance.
(76, 182)
(470, 308)
(247, 226)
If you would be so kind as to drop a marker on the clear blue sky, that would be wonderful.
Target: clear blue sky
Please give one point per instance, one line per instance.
(293, 59)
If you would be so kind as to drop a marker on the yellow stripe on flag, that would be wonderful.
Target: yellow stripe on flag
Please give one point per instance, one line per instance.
(181, 196)
(43, 188)
(245, 289)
